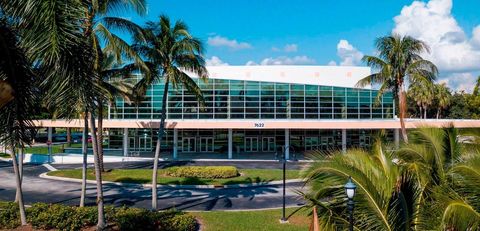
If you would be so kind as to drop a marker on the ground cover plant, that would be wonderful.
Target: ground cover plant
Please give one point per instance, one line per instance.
(143, 176)
(62, 217)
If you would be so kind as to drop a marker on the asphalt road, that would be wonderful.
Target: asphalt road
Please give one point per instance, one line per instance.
(36, 189)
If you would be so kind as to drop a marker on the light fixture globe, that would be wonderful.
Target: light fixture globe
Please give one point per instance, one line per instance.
(350, 188)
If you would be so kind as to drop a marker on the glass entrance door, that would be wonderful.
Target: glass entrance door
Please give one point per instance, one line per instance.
(268, 144)
(251, 144)
(311, 143)
(327, 142)
(206, 144)
(188, 144)
(145, 144)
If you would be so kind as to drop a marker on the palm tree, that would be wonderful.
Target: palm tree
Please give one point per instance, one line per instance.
(16, 127)
(446, 168)
(423, 96)
(68, 51)
(172, 52)
(386, 196)
(398, 61)
(443, 97)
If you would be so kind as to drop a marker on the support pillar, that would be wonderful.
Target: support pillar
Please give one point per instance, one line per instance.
(175, 143)
(344, 140)
(49, 143)
(125, 142)
(230, 143)
(396, 137)
(287, 144)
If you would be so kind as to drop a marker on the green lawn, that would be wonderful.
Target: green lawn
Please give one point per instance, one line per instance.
(145, 175)
(44, 149)
(4, 155)
(252, 220)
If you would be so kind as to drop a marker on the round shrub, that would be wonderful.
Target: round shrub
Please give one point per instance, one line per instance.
(9, 215)
(210, 172)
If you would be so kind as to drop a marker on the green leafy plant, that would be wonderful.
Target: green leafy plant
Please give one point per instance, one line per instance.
(214, 172)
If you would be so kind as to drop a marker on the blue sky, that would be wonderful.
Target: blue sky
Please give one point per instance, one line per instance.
(322, 32)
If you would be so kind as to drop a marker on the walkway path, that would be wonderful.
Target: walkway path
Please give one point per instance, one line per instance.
(51, 191)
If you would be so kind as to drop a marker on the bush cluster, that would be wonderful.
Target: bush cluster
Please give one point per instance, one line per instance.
(210, 172)
(61, 217)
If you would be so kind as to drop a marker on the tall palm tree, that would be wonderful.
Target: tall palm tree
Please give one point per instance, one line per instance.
(63, 37)
(386, 196)
(16, 127)
(398, 61)
(443, 97)
(423, 96)
(172, 52)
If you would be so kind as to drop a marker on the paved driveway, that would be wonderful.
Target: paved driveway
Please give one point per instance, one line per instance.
(37, 189)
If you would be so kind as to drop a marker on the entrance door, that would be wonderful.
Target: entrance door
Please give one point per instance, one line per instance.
(188, 144)
(206, 144)
(132, 145)
(251, 144)
(268, 144)
(311, 143)
(145, 144)
(327, 142)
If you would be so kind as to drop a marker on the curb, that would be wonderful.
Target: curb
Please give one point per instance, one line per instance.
(271, 183)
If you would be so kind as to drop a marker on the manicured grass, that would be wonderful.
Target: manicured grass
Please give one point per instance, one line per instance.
(4, 155)
(252, 220)
(144, 176)
(44, 149)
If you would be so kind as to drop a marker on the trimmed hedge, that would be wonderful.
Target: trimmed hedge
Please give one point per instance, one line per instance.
(210, 172)
(61, 217)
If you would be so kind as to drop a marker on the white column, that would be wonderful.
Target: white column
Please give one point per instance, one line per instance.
(175, 143)
(344, 140)
(49, 142)
(49, 134)
(287, 144)
(396, 137)
(230, 143)
(125, 142)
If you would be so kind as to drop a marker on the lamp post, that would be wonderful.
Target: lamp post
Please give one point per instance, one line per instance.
(350, 188)
(283, 159)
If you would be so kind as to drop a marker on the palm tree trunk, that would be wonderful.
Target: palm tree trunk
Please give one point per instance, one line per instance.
(425, 112)
(438, 113)
(402, 107)
(100, 135)
(98, 176)
(421, 114)
(23, 218)
(157, 148)
(84, 163)
(20, 166)
(69, 137)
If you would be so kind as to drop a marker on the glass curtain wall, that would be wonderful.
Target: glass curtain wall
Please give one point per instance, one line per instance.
(236, 99)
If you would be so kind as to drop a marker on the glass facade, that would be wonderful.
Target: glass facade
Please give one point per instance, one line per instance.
(236, 99)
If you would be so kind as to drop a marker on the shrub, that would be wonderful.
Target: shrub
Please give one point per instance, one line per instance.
(9, 215)
(133, 219)
(61, 217)
(211, 172)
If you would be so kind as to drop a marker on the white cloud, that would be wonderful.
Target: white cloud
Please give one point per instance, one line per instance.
(215, 61)
(433, 23)
(348, 54)
(284, 60)
(251, 63)
(287, 48)
(460, 81)
(332, 63)
(219, 41)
